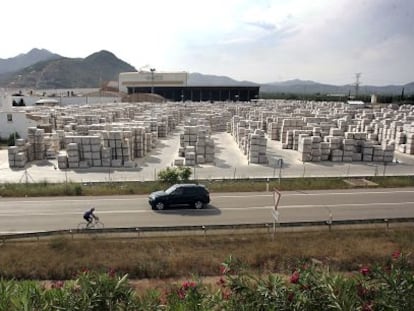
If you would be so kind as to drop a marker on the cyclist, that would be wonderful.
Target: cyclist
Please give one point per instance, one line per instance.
(89, 216)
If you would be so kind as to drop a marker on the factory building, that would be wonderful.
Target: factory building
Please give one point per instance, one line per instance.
(175, 86)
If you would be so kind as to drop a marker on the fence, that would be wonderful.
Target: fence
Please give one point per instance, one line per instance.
(162, 230)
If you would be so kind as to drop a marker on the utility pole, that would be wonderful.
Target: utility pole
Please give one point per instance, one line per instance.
(152, 80)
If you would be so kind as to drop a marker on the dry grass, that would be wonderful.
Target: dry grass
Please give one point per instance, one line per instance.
(186, 256)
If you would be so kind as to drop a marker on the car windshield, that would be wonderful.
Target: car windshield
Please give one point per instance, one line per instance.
(171, 189)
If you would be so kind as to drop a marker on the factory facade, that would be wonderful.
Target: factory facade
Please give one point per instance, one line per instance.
(175, 86)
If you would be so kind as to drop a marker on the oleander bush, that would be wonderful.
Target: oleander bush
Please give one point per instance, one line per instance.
(308, 287)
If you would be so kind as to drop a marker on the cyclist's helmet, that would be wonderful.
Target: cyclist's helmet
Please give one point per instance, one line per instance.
(92, 209)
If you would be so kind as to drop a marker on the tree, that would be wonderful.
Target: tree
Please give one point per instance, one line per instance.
(175, 175)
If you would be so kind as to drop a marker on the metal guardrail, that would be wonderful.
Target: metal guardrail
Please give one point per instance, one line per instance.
(205, 228)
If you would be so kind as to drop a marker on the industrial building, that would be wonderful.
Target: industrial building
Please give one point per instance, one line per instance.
(174, 86)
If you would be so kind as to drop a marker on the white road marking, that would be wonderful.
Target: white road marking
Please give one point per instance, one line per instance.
(92, 201)
(227, 209)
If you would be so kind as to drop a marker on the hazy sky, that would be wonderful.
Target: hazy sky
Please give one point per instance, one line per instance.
(257, 40)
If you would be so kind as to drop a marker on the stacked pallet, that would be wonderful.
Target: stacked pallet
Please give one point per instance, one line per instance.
(290, 125)
(257, 143)
(190, 156)
(18, 154)
(36, 149)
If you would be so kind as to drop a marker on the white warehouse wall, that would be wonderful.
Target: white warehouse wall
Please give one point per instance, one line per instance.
(149, 79)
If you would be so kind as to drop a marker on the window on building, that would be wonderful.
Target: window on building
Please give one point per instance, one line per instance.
(9, 117)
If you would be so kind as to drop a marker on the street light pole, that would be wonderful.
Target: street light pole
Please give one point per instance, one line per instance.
(152, 80)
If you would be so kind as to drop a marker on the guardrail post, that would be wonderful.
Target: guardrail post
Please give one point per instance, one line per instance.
(204, 230)
(387, 223)
(71, 233)
(329, 221)
(138, 232)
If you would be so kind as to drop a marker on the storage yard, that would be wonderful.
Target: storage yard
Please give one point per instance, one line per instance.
(132, 141)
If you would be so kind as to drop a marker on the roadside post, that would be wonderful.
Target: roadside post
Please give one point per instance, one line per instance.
(275, 215)
(329, 221)
(275, 212)
(280, 161)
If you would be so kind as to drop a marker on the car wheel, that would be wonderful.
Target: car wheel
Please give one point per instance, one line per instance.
(159, 206)
(198, 204)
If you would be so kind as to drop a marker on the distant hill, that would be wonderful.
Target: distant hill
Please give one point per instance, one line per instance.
(298, 86)
(40, 69)
(89, 72)
(26, 59)
(311, 87)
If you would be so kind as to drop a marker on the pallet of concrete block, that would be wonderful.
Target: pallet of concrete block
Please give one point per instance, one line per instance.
(16, 157)
(62, 158)
(179, 162)
(190, 156)
(72, 150)
(210, 150)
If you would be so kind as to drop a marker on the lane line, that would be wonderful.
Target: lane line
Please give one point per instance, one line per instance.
(210, 210)
(385, 192)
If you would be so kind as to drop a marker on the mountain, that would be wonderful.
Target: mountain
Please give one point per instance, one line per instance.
(311, 87)
(23, 60)
(65, 72)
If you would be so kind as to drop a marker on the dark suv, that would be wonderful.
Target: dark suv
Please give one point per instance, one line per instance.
(194, 195)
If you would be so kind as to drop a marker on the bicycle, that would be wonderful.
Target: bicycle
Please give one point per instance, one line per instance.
(95, 224)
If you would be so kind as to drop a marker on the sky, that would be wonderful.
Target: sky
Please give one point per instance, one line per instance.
(262, 41)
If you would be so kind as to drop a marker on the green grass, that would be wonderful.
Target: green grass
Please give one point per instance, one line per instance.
(184, 256)
(125, 188)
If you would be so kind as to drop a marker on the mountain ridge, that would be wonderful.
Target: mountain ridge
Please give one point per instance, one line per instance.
(66, 72)
(44, 69)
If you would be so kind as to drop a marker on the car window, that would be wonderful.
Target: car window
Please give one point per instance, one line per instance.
(178, 191)
(190, 190)
(171, 189)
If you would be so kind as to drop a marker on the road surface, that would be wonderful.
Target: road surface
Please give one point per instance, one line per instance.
(41, 214)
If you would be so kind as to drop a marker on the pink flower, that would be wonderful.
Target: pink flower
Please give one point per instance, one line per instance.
(221, 282)
(294, 278)
(111, 273)
(396, 254)
(224, 269)
(188, 284)
(181, 294)
(364, 271)
(226, 294)
(368, 306)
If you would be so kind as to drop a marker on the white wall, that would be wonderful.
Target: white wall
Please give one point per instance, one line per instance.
(149, 79)
(19, 124)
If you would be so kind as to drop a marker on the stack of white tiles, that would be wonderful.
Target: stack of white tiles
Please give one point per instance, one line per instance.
(37, 145)
(257, 147)
(410, 141)
(273, 131)
(305, 148)
(295, 137)
(72, 151)
(190, 156)
(163, 127)
(335, 144)
(52, 145)
(18, 154)
(138, 138)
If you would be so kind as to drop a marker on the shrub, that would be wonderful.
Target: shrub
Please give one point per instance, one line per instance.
(175, 175)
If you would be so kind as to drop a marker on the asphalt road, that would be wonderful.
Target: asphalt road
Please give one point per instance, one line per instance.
(40, 214)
